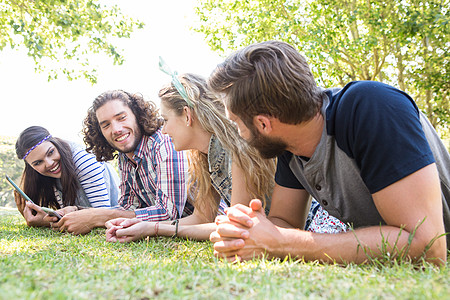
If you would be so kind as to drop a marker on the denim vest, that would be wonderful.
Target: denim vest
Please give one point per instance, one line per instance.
(220, 169)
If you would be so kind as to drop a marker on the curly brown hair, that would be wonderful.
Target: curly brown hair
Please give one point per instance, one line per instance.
(146, 113)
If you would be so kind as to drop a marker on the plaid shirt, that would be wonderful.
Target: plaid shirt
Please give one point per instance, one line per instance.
(155, 188)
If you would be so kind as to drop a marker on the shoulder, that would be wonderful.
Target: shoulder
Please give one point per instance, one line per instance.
(367, 98)
(79, 153)
(157, 140)
(160, 145)
(362, 107)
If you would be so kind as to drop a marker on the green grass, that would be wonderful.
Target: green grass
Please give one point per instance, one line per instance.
(38, 263)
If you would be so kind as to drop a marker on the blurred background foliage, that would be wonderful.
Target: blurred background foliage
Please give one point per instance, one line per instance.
(404, 43)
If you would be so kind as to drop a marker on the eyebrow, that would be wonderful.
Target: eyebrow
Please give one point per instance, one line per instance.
(46, 152)
(118, 114)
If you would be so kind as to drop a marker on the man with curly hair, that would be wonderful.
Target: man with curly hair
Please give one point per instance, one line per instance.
(153, 174)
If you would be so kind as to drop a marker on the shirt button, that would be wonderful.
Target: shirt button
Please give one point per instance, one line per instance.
(318, 187)
(324, 202)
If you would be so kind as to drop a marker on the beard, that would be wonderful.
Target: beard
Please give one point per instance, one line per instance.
(137, 135)
(267, 147)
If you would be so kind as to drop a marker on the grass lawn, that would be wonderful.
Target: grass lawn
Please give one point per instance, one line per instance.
(41, 264)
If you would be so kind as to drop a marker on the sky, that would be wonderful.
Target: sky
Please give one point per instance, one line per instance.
(27, 98)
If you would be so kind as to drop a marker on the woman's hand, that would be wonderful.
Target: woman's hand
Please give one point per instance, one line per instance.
(62, 212)
(34, 215)
(126, 230)
(20, 202)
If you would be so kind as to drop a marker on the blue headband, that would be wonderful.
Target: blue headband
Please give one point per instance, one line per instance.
(34, 147)
(176, 82)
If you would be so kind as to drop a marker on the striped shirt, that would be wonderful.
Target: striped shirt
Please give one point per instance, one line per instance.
(155, 187)
(91, 176)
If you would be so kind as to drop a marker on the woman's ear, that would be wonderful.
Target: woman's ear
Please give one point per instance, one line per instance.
(188, 114)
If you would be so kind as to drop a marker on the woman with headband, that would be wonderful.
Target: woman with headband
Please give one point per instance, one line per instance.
(60, 175)
(224, 170)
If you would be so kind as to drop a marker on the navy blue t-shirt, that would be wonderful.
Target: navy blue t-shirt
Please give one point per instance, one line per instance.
(378, 127)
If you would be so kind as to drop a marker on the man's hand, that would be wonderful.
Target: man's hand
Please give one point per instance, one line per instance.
(127, 230)
(244, 233)
(76, 222)
(63, 211)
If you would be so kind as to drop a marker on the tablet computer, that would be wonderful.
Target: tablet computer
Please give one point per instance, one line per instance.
(49, 211)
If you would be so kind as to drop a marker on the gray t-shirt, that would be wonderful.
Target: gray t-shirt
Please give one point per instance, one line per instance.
(374, 136)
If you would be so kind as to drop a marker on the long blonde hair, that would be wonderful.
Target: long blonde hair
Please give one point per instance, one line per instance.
(209, 110)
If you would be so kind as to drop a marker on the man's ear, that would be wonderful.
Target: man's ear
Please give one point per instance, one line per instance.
(188, 115)
(263, 124)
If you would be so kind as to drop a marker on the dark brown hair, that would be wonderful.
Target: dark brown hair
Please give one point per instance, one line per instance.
(146, 113)
(39, 187)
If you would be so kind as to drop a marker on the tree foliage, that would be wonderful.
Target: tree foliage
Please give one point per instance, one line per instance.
(64, 31)
(404, 43)
(10, 165)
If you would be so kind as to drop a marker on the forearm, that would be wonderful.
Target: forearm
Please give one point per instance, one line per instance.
(354, 246)
(199, 232)
(280, 222)
(101, 215)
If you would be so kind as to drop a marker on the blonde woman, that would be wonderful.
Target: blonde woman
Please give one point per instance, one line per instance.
(224, 170)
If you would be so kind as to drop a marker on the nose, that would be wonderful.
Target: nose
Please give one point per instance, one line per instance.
(48, 161)
(116, 127)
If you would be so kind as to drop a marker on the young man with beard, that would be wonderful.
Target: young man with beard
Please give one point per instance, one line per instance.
(153, 174)
(365, 152)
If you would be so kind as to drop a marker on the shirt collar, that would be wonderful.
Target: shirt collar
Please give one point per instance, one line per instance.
(215, 151)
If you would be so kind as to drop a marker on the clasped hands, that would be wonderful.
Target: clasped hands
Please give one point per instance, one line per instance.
(125, 230)
(245, 233)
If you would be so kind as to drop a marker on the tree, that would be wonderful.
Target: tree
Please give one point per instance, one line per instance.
(10, 165)
(64, 31)
(404, 43)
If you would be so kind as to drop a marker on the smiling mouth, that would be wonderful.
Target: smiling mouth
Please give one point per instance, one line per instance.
(54, 169)
(122, 137)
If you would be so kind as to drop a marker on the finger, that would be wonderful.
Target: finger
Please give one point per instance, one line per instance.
(54, 225)
(130, 222)
(111, 239)
(125, 232)
(50, 219)
(232, 231)
(240, 217)
(108, 224)
(20, 202)
(111, 235)
(221, 219)
(116, 221)
(256, 205)
(59, 225)
(215, 237)
(229, 246)
(241, 207)
(33, 206)
(230, 257)
(27, 213)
